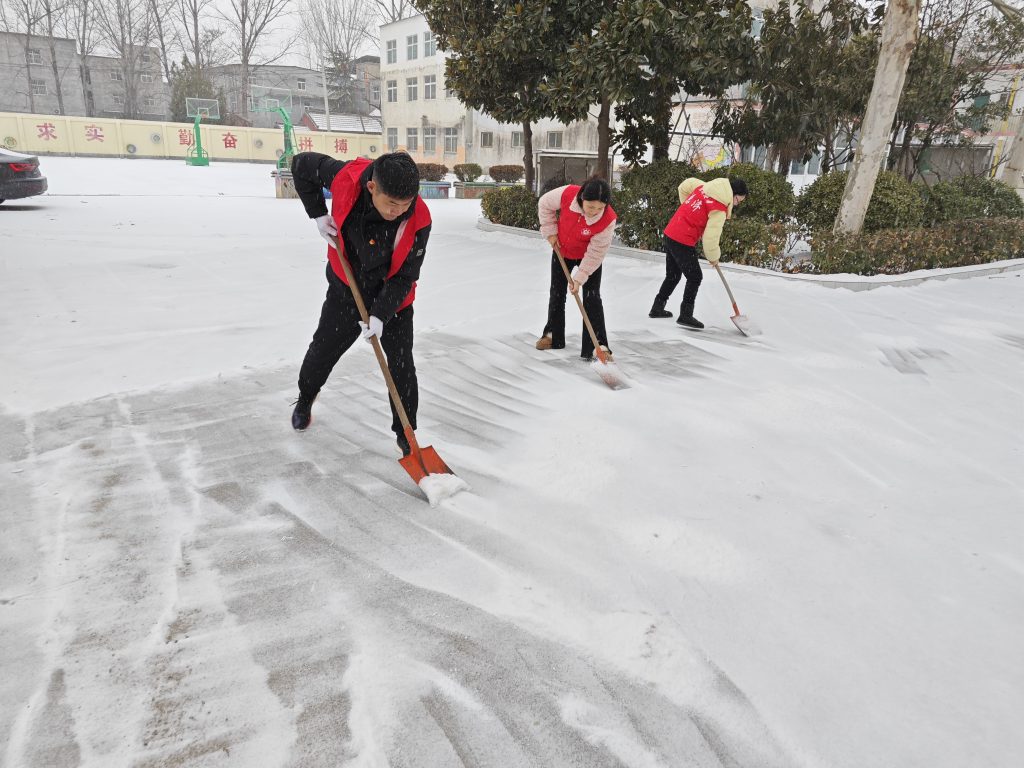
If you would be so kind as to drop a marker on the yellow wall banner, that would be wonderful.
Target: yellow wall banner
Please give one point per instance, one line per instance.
(87, 136)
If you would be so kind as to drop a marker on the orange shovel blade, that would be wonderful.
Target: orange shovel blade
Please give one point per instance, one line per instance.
(426, 463)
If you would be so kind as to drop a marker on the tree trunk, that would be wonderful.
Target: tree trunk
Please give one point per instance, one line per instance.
(528, 154)
(28, 74)
(899, 35)
(1013, 172)
(662, 119)
(604, 138)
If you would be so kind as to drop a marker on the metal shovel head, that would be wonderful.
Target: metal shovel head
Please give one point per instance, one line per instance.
(609, 373)
(745, 325)
(426, 463)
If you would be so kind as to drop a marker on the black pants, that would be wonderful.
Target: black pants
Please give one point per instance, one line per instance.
(680, 260)
(591, 302)
(338, 330)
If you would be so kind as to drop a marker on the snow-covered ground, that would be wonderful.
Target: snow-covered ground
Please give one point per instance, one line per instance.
(804, 549)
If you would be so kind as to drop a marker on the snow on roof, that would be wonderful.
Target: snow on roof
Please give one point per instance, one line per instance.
(347, 123)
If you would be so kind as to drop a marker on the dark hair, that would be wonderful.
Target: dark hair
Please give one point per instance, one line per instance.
(594, 188)
(739, 186)
(397, 175)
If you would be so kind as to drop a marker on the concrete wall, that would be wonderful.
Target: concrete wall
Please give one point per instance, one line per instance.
(52, 134)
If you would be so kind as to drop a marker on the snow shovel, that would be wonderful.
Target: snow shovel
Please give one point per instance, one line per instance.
(424, 466)
(603, 365)
(745, 325)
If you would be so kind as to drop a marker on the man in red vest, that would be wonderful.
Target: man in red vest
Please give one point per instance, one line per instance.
(383, 226)
(704, 208)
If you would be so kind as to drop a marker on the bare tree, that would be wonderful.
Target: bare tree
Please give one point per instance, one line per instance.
(198, 38)
(79, 23)
(53, 14)
(248, 23)
(335, 31)
(393, 10)
(24, 17)
(163, 31)
(127, 28)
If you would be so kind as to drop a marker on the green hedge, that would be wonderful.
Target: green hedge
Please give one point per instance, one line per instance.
(647, 200)
(468, 171)
(896, 251)
(746, 241)
(650, 196)
(771, 196)
(432, 171)
(507, 173)
(895, 203)
(511, 206)
(971, 197)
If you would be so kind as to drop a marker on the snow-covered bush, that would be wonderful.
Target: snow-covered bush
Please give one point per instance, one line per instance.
(506, 173)
(432, 171)
(468, 171)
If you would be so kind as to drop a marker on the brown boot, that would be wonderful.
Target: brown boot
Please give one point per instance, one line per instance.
(546, 342)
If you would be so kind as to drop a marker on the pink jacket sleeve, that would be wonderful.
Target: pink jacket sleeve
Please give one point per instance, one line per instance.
(597, 249)
(547, 211)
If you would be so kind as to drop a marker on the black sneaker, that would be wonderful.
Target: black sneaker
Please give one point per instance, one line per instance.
(403, 445)
(302, 416)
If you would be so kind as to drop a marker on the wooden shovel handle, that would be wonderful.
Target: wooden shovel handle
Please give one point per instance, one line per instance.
(601, 354)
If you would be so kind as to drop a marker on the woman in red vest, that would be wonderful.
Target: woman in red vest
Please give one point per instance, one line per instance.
(702, 212)
(581, 222)
(383, 226)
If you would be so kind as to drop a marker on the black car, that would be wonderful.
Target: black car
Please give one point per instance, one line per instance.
(19, 175)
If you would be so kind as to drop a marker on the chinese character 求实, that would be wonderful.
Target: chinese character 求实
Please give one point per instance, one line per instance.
(93, 133)
(47, 131)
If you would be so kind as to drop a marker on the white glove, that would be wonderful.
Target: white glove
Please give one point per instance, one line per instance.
(575, 283)
(375, 328)
(328, 229)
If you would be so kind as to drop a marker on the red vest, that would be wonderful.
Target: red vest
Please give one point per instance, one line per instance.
(691, 218)
(574, 233)
(345, 190)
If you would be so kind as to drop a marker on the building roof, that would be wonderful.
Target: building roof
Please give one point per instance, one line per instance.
(346, 123)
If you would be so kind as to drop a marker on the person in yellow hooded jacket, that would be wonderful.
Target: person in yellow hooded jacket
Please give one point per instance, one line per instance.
(704, 207)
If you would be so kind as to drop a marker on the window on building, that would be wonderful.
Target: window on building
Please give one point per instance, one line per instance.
(118, 100)
(391, 51)
(429, 140)
(38, 87)
(814, 167)
(146, 77)
(392, 139)
(430, 86)
(116, 76)
(486, 139)
(517, 138)
(451, 141)
(145, 59)
(411, 88)
(392, 91)
(554, 139)
(253, 80)
(149, 105)
(429, 46)
(412, 47)
(796, 168)
(302, 84)
(232, 102)
(412, 139)
(35, 56)
(375, 94)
